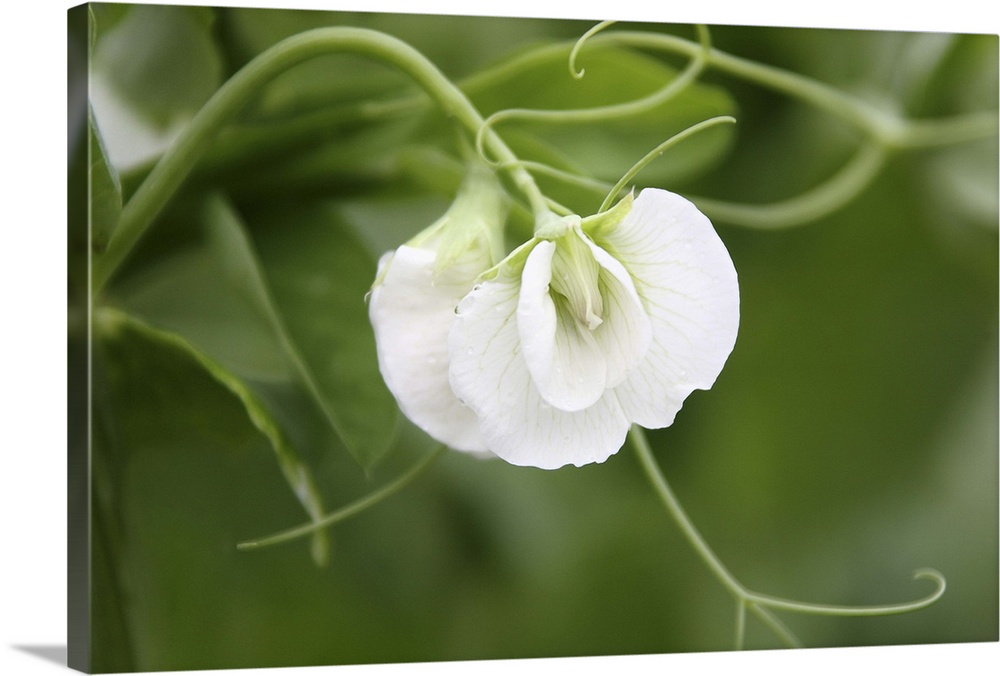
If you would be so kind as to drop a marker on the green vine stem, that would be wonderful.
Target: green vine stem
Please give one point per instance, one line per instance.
(177, 162)
(887, 132)
(578, 73)
(885, 127)
(836, 191)
(353, 509)
(761, 604)
(599, 113)
(656, 152)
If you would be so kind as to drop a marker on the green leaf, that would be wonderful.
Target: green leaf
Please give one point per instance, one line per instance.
(211, 294)
(111, 641)
(384, 220)
(120, 326)
(152, 69)
(105, 190)
(310, 358)
(162, 59)
(319, 274)
(158, 401)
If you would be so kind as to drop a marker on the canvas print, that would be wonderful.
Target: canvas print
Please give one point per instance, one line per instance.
(417, 338)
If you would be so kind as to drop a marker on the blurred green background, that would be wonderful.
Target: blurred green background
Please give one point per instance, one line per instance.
(851, 438)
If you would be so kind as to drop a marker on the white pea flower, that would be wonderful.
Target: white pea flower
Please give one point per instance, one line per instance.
(591, 326)
(412, 307)
(547, 358)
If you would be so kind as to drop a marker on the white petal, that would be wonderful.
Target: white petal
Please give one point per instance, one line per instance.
(489, 373)
(687, 283)
(625, 334)
(412, 311)
(564, 359)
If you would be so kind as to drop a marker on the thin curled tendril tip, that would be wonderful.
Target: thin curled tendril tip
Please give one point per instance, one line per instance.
(578, 74)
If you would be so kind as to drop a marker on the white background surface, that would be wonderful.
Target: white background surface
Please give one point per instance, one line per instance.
(33, 488)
